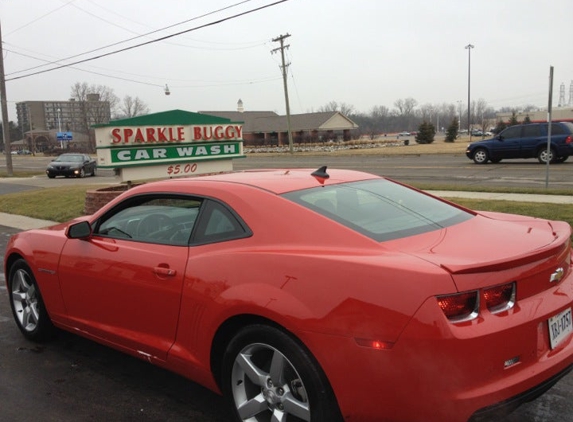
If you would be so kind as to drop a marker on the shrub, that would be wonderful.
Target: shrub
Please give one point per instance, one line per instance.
(426, 133)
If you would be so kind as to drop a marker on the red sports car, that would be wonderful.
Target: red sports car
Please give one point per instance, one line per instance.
(311, 296)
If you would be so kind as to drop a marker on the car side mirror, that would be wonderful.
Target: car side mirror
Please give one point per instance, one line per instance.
(81, 230)
(499, 137)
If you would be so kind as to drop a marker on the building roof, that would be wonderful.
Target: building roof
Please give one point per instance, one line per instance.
(269, 121)
(172, 117)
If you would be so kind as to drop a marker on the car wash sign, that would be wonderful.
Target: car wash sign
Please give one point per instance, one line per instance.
(168, 144)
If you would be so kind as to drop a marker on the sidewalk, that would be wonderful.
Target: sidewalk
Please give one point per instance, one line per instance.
(521, 197)
(23, 223)
(26, 223)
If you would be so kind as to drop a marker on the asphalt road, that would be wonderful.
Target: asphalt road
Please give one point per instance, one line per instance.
(73, 379)
(437, 169)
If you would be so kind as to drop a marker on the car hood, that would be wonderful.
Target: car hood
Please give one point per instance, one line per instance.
(489, 243)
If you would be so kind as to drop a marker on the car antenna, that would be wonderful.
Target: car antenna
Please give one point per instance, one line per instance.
(321, 175)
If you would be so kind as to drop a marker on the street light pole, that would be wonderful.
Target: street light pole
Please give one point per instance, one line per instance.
(469, 48)
(60, 127)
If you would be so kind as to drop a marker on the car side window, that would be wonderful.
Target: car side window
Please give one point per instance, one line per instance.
(218, 223)
(511, 132)
(531, 131)
(557, 129)
(164, 219)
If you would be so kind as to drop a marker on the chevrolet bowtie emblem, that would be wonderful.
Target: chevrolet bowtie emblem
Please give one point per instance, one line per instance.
(557, 275)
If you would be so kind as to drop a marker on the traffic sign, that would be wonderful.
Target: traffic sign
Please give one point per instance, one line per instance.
(64, 136)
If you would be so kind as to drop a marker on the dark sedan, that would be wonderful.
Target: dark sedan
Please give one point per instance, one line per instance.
(72, 165)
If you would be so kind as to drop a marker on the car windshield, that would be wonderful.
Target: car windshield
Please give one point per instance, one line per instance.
(380, 209)
(70, 158)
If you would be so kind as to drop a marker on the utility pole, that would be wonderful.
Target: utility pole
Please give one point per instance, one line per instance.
(469, 48)
(5, 123)
(284, 66)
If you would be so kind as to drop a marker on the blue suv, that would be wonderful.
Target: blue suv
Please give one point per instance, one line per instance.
(525, 141)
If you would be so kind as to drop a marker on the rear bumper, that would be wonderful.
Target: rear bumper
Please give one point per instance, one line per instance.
(507, 406)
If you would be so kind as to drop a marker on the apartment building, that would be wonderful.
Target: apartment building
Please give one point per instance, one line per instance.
(41, 120)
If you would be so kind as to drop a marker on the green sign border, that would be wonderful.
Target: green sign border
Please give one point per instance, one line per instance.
(172, 155)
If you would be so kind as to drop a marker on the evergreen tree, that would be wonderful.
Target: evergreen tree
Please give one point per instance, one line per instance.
(426, 133)
(500, 126)
(513, 120)
(452, 131)
(527, 120)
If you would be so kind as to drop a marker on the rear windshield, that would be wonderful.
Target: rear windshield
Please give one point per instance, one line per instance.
(380, 209)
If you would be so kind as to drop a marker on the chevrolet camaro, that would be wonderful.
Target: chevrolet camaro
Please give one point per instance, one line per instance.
(306, 295)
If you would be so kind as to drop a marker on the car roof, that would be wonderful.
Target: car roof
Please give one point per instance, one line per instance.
(278, 181)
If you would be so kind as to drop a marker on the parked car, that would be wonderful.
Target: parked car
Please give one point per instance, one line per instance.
(404, 134)
(71, 164)
(525, 141)
(311, 296)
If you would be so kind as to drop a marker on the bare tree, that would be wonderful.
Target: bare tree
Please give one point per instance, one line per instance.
(406, 106)
(427, 111)
(484, 115)
(131, 107)
(343, 108)
(95, 106)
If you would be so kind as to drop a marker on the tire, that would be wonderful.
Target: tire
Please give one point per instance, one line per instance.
(267, 373)
(480, 156)
(94, 171)
(27, 305)
(51, 176)
(543, 156)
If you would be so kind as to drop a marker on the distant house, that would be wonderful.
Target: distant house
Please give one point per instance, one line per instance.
(268, 128)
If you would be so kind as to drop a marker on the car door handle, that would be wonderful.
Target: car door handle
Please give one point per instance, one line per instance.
(164, 271)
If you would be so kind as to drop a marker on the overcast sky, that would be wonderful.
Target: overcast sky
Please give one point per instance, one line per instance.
(364, 53)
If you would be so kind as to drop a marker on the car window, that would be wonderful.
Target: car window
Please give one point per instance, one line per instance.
(218, 223)
(380, 209)
(568, 127)
(162, 219)
(557, 129)
(511, 132)
(530, 131)
(70, 158)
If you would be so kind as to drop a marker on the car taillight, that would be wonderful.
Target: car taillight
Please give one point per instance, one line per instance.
(460, 307)
(500, 298)
(568, 140)
(465, 306)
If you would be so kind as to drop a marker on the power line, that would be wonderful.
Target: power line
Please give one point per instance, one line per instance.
(126, 18)
(40, 18)
(206, 83)
(141, 36)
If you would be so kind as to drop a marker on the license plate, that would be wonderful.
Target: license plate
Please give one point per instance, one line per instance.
(560, 327)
